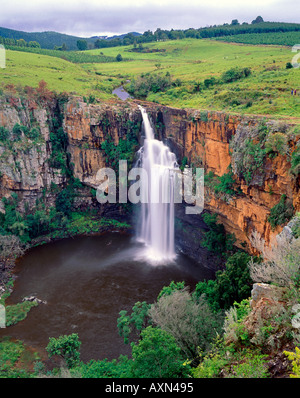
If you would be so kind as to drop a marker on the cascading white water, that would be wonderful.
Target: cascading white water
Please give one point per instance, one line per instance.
(156, 227)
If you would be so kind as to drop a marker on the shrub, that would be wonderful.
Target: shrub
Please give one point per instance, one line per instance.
(216, 239)
(91, 99)
(156, 355)
(213, 362)
(64, 202)
(281, 262)
(191, 322)
(104, 368)
(33, 134)
(173, 286)
(295, 358)
(183, 163)
(67, 347)
(4, 134)
(234, 74)
(134, 323)
(252, 366)
(125, 150)
(59, 142)
(295, 161)
(235, 330)
(210, 82)
(204, 116)
(17, 132)
(276, 144)
(17, 312)
(147, 83)
(12, 353)
(225, 184)
(232, 284)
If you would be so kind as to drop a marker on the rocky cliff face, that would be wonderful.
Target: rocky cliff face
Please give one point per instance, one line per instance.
(88, 126)
(203, 138)
(24, 162)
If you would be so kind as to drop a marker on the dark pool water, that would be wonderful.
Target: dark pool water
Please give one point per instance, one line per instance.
(86, 282)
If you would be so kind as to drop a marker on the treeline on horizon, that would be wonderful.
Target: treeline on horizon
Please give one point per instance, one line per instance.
(235, 28)
(6, 41)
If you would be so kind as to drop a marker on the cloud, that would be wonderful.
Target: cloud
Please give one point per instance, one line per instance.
(114, 17)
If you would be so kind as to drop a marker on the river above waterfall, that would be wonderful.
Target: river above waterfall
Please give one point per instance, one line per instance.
(121, 93)
(86, 282)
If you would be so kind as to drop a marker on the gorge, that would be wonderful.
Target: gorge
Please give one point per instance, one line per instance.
(200, 139)
(50, 153)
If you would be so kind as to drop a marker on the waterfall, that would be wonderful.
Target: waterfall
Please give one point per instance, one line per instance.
(156, 223)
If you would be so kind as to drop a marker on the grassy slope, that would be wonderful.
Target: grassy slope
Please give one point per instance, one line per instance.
(23, 68)
(195, 60)
(190, 60)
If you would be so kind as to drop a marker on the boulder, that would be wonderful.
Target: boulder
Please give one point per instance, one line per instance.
(33, 298)
(265, 291)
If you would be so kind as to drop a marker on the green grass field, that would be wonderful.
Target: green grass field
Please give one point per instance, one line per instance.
(265, 91)
(24, 68)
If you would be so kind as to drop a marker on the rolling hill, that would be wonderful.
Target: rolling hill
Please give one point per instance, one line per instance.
(49, 39)
(46, 39)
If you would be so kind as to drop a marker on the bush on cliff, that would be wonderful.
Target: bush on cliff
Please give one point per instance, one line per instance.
(281, 213)
(295, 161)
(232, 284)
(215, 239)
(222, 186)
(188, 319)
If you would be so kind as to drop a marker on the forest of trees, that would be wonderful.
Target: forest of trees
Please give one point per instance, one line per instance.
(235, 28)
(18, 42)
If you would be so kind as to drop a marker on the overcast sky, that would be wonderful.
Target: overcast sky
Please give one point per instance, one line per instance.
(107, 17)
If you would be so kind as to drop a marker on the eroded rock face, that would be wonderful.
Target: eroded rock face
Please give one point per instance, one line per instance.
(24, 162)
(203, 138)
(88, 126)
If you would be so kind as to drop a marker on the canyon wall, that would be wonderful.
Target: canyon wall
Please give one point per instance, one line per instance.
(203, 138)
